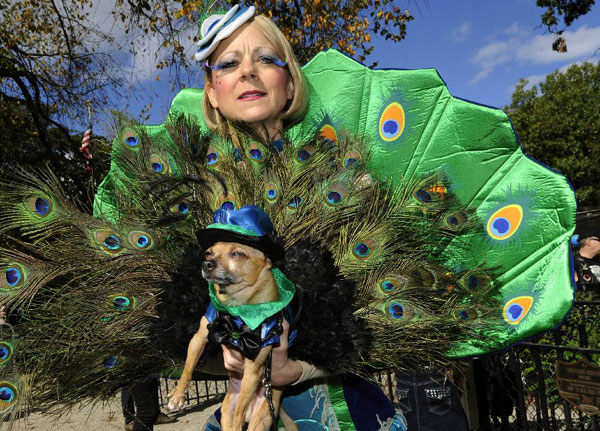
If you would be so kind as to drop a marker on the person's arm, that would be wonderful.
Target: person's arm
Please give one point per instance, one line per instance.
(285, 371)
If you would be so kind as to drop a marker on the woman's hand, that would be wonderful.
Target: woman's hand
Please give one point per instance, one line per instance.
(284, 371)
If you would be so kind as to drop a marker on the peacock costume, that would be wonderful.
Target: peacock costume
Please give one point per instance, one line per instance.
(411, 216)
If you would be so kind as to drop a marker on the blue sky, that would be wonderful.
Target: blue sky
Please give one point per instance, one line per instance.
(481, 48)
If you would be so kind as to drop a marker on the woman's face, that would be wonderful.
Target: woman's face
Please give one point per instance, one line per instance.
(246, 83)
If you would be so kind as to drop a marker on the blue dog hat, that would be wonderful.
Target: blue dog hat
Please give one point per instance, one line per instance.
(215, 28)
(249, 225)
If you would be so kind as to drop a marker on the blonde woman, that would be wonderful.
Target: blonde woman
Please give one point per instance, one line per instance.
(254, 82)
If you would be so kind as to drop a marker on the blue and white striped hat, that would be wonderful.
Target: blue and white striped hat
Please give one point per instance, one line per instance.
(215, 28)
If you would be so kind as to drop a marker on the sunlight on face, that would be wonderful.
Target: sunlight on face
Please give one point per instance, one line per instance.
(249, 81)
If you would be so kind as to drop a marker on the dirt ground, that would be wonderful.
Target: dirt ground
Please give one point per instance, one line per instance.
(108, 417)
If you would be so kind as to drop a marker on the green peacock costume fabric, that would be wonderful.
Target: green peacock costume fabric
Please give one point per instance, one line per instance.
(411, 215)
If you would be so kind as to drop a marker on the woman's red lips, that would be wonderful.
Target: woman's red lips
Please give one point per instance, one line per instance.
(251, 95)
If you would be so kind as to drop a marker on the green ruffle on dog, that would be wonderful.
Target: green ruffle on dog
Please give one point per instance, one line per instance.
(254, 314)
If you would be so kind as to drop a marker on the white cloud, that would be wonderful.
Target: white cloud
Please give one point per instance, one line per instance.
(461, 33)
(137, 64)
(516, 47)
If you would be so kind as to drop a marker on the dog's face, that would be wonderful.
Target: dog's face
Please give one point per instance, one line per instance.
(234, 266)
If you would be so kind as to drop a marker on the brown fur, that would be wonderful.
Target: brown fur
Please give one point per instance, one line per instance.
(241, 275)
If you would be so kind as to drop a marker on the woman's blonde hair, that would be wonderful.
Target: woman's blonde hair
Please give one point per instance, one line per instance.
(296, 108)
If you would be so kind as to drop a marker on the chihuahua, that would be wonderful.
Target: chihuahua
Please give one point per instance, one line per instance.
(241, 275)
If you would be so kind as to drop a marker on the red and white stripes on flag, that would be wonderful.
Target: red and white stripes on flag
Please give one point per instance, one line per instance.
(86, 147)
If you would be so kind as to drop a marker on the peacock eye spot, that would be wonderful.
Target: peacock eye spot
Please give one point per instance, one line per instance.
(183, 208)
(303, 155)
(7, 394)
(463, 315)
(272, 193)
(472, 281)
(112, 242)
(295, 202)
(132, 141)
(121, 303)
(212, 158)
(13, 276)
(4, 352)
(228, 206)
(334, 197)
(351, 161)
(388, 286)
(256, 154)
(396, 310)
(390, 127)
(42, 206)
(453, 220)
(110, 361)
(157, 167)
(361, 249)
(423, 196)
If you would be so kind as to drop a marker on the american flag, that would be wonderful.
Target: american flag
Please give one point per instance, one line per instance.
(86, 148)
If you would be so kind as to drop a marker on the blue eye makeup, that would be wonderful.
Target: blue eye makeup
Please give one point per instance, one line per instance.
(224, 65)
(271, 59)
(230, 64)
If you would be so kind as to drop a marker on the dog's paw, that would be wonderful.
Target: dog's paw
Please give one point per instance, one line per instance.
(176, 401)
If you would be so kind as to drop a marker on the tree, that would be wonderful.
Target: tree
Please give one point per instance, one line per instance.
(55, 56)
(20, 148)
(566, 10)
(314, 25)
(558, 123)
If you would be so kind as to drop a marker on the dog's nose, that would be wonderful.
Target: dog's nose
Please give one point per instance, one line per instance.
(207, 265)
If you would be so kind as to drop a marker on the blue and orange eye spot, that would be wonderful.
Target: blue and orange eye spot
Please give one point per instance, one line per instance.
(391, 122)
(140, 240)
(335, 195)
(13, 276)
(130, 139)
(255, 153)
(391, 285)
(363, 249)
(476, 281)
(159, 165)
(352, 158)
(8, 395)
(109, 241)
(505, 222)
(6, 351)
(395, 310)
(329, 135)
(516, 309)
(122, 302)
(212, 157)
(464, 315)
(431, 193)
(456, 220)
(305, 153)
(110, 362)
(295, 203)
(271, 193)
(182, 208)
(398, 311)
(225, 201)
(40, 206)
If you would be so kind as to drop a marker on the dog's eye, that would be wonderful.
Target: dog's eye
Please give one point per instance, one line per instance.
(237, 254)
